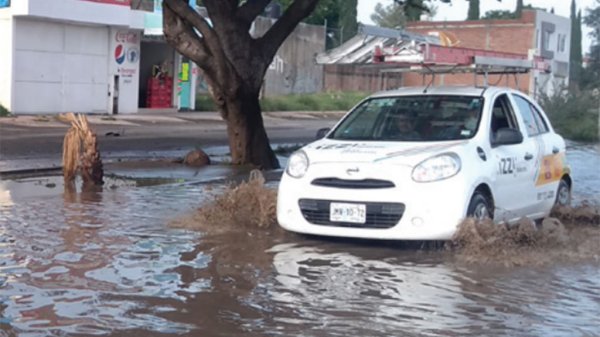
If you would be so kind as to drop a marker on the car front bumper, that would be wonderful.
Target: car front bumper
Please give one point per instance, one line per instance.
(432, 211)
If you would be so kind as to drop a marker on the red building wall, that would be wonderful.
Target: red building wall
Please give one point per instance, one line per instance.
(514, 36)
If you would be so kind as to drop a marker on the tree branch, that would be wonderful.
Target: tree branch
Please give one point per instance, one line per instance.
(183, 10)
(286, 24)
(250, 10)
(184, 39)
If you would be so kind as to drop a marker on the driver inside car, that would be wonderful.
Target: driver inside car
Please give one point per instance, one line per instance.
(401, 127)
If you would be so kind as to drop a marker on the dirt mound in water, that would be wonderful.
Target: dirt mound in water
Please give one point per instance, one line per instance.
(570, 234)
(248, 205)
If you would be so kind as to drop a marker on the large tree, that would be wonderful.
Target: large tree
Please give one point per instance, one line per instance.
(234, 63)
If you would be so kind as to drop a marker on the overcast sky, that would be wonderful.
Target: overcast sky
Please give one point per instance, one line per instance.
(458, 10)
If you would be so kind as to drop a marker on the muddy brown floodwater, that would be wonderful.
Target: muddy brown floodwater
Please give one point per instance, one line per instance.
(108, 263)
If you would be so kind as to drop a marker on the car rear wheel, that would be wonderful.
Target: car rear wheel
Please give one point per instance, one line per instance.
(563, 194)
(480, 207)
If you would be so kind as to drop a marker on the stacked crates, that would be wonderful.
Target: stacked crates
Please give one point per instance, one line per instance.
(159, 92)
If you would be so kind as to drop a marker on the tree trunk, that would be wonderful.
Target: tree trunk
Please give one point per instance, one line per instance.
(248, 141)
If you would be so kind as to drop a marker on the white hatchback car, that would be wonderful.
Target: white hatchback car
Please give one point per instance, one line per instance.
(411, 164)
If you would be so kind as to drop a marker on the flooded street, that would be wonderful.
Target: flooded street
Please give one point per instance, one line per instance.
(108, 263)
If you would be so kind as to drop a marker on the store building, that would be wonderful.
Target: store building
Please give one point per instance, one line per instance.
(70, 55)
(110, 56)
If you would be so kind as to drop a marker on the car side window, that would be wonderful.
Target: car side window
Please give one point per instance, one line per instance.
(534, 122)
(541, 122)
(502, 115)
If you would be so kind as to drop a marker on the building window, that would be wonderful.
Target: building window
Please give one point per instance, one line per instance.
(546, 40)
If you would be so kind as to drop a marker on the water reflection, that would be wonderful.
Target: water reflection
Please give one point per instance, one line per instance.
(372, 291)
(584, 160)
(82, 263)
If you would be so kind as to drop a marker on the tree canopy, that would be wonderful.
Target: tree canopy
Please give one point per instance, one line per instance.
(576, 52)
(338, 15)
(473, 13)
(591, 76)
(390, 16)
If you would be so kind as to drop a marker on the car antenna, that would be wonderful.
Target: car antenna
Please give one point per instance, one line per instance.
(430, 82)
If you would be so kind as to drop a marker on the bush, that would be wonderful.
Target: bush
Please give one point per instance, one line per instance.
(4, 111)
(304, 102)
(573, 115)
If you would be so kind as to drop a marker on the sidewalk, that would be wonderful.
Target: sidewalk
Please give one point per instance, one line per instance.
(270, 118)
(32, 143)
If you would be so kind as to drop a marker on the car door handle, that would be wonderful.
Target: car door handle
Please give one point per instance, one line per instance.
(528, 156)
(555, 150)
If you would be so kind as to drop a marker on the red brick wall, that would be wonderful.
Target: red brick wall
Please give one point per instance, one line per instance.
(514, 36)
(348, 77)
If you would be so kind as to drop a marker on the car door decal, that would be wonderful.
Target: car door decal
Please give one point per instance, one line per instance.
(552, 169)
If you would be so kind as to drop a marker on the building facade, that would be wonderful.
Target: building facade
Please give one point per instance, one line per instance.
(70, 55)
(110, 56)
(536, 33)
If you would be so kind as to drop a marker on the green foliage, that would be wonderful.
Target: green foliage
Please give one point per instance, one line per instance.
(390, 16)
(506, 14)
(519, 9)
(591, 76)
(340, 16)
(399, 12)
(573, 115)
(473, 13)
(414, 8)
(575, 68)
(499, 15)
(307, 102)
(4, 111)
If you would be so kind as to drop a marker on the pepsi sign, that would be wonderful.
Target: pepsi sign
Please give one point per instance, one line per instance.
(120, 54)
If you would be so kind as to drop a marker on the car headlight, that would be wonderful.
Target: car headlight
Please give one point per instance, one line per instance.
(297, 164)
(437, 168)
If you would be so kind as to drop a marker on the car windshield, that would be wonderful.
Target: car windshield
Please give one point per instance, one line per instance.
(412, 118)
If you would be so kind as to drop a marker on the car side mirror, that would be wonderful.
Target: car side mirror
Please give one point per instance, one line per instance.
(507, 136)
(321, 133)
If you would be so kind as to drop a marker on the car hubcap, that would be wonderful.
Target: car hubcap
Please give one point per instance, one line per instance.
(563, 195)
(481, 212)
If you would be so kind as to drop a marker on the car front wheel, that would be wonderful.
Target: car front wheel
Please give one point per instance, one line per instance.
(563, 194)
(480, 207)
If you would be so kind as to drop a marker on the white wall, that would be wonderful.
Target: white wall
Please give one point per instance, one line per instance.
(127, 68)
(60, 67)
(5, 61)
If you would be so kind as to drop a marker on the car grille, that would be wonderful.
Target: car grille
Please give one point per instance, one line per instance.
(380, 215)
(358, 184)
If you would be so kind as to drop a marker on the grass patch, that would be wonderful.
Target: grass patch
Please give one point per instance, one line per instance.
(305, 102)
(4, 112)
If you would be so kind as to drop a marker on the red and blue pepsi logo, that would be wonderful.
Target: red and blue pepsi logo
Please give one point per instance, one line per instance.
(120, 54)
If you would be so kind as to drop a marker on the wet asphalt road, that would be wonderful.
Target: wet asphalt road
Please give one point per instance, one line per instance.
(23, 141)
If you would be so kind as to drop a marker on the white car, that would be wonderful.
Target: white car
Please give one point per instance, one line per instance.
(411, 164)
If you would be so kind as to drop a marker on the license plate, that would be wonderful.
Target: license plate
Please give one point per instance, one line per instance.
(341, 212)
